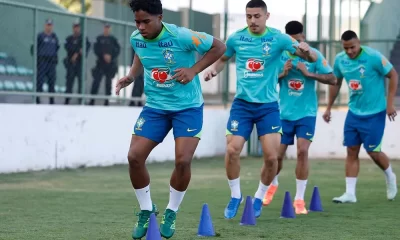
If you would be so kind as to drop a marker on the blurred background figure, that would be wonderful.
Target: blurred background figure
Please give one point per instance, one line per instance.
(138, 88)
(47, 59)
(73, 61)
(107, 50)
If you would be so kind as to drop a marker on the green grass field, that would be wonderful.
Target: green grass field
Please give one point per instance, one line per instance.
(99, 203)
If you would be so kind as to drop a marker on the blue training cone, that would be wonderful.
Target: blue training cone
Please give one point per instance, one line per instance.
(315, 203)
(153, 232)
(248, 217)
(287, 208)
(206, 228)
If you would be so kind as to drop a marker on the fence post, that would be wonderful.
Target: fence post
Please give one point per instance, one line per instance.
(83, 72)
(225, 88)
(35, 23)
(126, 47)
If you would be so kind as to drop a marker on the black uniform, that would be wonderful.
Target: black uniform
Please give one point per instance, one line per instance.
(47, 59)
(105, 45)
(73, 44)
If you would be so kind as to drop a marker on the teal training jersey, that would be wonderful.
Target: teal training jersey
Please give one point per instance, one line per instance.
(365, 77)
(297, 94)
(175, 47)
(258, 62)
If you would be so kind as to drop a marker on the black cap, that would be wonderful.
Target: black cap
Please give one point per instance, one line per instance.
(49, 21)
(107, 24)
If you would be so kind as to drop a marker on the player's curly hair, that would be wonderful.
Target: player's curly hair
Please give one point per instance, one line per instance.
(294, 27)
(153, 7)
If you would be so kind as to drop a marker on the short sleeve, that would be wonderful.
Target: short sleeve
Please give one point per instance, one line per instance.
(195, 41)
(230, 47)
(381, 63)
(288, 43)
(336, 69)
(322, 65)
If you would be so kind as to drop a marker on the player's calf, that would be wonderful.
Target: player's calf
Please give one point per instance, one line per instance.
(185, 148)
(301, 175)
(383, 162)
(273, 187)
(232, 166)
(268, 173)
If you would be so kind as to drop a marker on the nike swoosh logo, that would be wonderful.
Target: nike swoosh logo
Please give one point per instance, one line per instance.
(275, 127)
(371, 146)
(242, 48)
(308, 134)
(191, 130)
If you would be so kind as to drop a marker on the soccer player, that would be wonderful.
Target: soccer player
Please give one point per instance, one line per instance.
(258, 50)
(299, 105)
(174, 100)
(365, 70)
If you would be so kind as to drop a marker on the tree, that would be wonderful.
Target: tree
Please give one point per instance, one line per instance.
(75, 5)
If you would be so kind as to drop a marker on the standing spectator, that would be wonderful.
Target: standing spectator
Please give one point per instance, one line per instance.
(47, 59)
(73, 61)
(107, 50)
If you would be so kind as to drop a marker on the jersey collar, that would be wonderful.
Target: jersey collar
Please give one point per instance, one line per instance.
(164, 29)
(258, 35)
(360, 54)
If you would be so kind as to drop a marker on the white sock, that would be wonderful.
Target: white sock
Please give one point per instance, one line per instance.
(300, 189)
(262, 189)
(389, 173)
(235, 188)
(275, 181)
(143, 196)
(175, 199)
(351, 185)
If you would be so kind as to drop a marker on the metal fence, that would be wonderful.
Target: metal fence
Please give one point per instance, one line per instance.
(37, 65)
(36, 60)
(26, 74)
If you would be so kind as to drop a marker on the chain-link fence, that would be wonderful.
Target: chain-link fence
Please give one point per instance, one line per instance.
(41, 52)
(44, 59)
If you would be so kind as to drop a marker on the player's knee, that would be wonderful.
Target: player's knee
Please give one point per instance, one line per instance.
(182, 166)
(135, 160)
(302, 154)
(233, 150)
(352, 152)
(374, 155)
(183, 159)
(270, 161)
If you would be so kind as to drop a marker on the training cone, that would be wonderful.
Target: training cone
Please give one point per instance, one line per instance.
(206, 228)
(287, 208)
(315, 203)
(153, 232)
(248, 217)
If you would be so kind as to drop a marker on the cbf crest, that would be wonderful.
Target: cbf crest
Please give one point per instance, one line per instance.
(362, 71)
(139, 123)
(169, 57)
(234, 125)
(266, 48)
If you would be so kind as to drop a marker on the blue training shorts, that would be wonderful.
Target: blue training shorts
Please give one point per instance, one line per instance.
(244, 115)
(154, 124)
(302, 128)
(367, 130)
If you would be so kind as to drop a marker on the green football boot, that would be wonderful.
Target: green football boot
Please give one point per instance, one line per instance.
(167, 226)
(140, 228)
